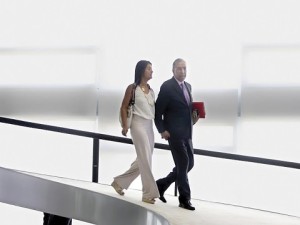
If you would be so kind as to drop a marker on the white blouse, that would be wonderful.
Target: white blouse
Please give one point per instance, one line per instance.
(144, 105)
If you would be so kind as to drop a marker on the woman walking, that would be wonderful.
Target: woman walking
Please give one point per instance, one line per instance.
(142, 133)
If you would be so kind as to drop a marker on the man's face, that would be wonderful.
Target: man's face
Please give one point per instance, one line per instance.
(179, 71)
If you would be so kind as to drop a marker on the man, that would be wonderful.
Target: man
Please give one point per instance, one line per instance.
(174, 121)
(50, 219)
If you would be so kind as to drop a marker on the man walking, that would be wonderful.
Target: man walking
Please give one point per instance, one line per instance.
(174, 121)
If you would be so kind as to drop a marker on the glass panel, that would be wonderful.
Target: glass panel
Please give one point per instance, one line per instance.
(270, 93)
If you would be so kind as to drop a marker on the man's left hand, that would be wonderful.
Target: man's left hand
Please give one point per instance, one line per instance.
(195, 117)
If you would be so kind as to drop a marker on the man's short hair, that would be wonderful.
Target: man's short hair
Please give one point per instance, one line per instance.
(177, 61)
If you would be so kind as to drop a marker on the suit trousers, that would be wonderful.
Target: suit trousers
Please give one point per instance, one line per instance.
(183, 156)
(143, 139)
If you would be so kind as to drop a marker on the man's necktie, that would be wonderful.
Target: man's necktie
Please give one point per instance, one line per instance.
(185, 93)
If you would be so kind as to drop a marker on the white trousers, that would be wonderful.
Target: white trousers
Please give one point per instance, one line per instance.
(143, 139)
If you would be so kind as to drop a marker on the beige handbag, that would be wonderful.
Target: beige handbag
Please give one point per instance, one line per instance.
(130, 108)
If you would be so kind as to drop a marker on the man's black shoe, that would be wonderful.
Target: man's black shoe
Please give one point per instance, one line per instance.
(161, 193)
(162, 198)
(186, 205)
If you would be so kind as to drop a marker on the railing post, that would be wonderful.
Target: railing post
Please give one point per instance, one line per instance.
(95, 160)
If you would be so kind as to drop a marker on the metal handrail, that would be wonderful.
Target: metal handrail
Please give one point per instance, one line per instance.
(97, 136)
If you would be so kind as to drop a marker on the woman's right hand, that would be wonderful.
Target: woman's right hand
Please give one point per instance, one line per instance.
(124, 131)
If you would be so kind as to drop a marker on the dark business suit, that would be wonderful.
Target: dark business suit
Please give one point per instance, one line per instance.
(174, 114)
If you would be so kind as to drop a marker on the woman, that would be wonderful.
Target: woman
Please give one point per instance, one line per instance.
(142, 133)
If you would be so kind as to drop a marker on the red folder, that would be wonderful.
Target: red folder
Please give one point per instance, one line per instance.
(199, 106)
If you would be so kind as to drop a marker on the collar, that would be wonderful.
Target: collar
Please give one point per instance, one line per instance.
(179, 82)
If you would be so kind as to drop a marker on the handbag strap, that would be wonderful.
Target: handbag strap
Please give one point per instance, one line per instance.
(132, 100)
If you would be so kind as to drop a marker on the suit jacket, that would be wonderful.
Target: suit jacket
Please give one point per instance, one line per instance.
(172, 112)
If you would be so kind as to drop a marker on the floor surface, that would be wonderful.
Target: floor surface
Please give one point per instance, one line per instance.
(206, 213)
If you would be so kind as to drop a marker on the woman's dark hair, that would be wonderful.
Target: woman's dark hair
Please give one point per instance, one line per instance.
(139, 70)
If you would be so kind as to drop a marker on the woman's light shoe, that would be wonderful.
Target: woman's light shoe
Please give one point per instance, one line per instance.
(149, 200)
(117, 188)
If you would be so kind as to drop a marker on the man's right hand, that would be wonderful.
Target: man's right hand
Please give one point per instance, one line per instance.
(165, 135)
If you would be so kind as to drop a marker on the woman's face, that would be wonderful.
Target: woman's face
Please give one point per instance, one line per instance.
(148, 72)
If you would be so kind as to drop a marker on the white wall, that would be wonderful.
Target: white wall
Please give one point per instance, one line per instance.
(227, 45)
